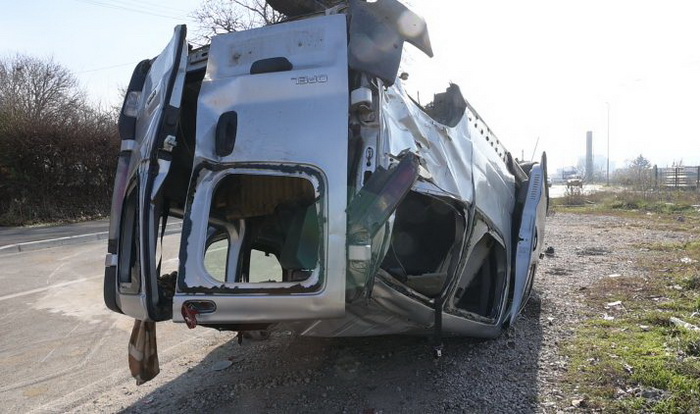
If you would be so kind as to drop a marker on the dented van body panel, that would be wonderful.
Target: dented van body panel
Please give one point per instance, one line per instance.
(316, 194)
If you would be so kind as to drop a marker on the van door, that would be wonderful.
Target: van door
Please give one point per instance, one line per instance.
(264, 230)
(148, 128)
(530, 235)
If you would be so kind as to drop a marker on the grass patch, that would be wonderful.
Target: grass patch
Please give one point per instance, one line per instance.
(670, 211)
(628, 356)
(663, 202)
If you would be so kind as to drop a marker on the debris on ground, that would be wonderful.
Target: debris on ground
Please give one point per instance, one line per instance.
(683, 324)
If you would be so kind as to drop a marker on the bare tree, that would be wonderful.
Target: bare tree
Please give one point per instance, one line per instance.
(638, 173)
(678, 163)
(294, 8)
(225, 16)
(57, 153)
(34, 89)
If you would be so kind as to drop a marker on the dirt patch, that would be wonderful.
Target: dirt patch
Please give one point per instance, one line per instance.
(559, 271)
(592, 251)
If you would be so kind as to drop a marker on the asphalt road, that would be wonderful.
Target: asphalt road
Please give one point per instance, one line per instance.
(15, 235)
(59, 343)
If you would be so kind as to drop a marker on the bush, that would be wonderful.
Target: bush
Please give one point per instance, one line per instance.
(573, 196)
(57, 157)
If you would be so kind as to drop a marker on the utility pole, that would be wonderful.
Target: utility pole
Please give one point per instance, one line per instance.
(535, 150)
(608, 175)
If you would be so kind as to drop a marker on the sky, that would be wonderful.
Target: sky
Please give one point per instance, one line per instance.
(540, 72)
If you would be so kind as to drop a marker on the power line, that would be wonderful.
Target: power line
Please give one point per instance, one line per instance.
(117, 7)
(147, 6)
(136, 9)
(128, 8)
(105, 68)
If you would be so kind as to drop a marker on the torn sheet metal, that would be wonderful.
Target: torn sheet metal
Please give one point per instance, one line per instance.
(377, 32)
(316, 192)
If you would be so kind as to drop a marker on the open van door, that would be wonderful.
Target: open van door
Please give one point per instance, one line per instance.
(530, 235)
(148, 129)
(264, 229)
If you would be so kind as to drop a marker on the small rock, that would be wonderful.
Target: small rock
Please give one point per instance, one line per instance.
(221, 365)
(644, 328)
(578, 403)
(653, 394)
(614, 275)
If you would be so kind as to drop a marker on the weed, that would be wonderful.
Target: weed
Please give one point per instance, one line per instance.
(573, 196)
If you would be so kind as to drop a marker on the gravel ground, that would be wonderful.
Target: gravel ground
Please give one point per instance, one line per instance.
(519, 372)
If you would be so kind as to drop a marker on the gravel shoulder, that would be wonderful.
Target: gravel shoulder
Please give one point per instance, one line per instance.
(519, 372)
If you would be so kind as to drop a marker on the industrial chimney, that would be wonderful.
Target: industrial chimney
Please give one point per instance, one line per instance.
(589, 156)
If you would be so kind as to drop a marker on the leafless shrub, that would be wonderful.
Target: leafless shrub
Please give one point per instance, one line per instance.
(31, 89)
(226, 16)
(573, 196)
(57, 154)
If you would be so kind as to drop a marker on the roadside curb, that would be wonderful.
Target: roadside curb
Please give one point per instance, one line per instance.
(64, 241)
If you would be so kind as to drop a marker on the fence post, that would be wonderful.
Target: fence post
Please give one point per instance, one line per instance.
(675, 178)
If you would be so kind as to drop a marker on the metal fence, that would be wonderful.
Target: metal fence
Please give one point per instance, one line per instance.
(680, 178)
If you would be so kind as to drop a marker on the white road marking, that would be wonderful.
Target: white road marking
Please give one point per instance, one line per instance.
(43, 289)
(52, 274)
(55, 348)
(47, 356)
(120, 377)
(71, 369)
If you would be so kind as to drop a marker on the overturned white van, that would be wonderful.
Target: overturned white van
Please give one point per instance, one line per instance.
(314, 191)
